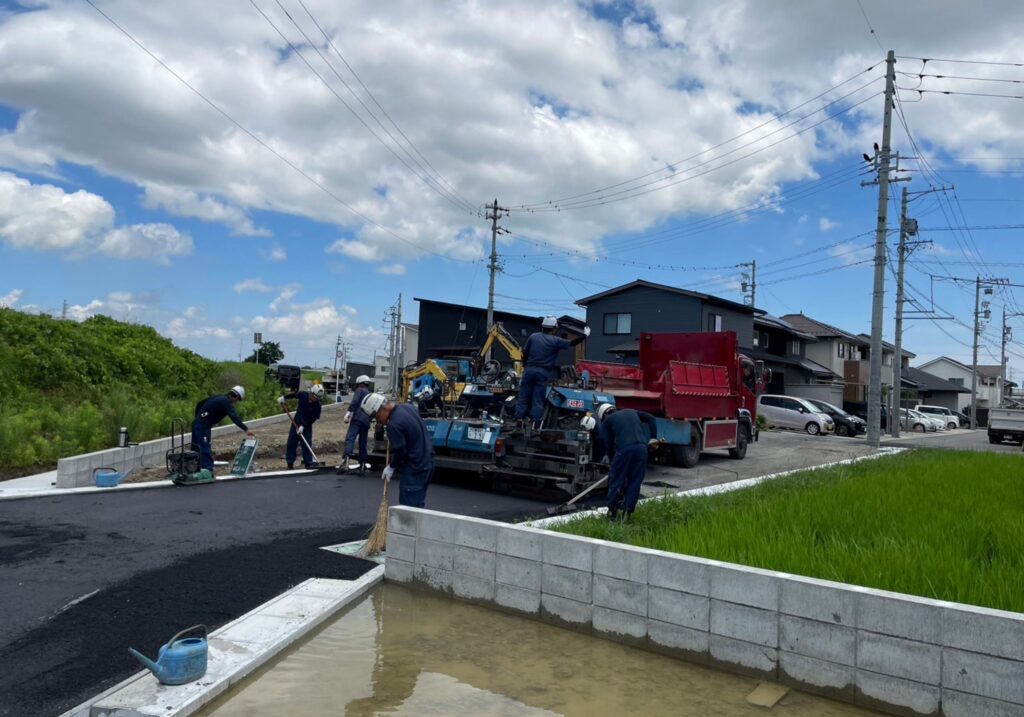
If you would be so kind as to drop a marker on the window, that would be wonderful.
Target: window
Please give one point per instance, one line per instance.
(462, 326)
(618, 324)
(714, 322)
(887, 359)
(771, 401)
(842, 350)
(764, 340)
(794, 347)
(956, 381)
(757, 339)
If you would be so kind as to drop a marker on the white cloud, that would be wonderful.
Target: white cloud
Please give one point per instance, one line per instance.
(10, 300)
(179, 329)
(192, 312)
(355, 249)
(392, 269)
(803, 219)
(287, 294)
(825, 224)
(851, 252)
(156, 242)
(254, 285)
(276, 254)
(43, 216)
(187, 203)
(315, 325)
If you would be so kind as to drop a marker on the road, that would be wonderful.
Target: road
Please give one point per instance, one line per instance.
(85, 576)
(960, 440)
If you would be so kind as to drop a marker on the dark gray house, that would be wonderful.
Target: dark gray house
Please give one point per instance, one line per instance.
(618, 316)
(783, 348)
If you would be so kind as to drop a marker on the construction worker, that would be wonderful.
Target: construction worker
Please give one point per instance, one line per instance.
(210, 412)
(540, 362)
(306, 414)
(412, 452)
(626, 436)
(358, 426)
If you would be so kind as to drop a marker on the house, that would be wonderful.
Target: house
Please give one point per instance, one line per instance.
(446, 330)
(991, 390)
(922, 387)
(618, 316)
(955, 373)
(410, 343)
(782, 348)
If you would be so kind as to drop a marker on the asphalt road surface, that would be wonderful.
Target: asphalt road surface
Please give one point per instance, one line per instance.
(87, 576)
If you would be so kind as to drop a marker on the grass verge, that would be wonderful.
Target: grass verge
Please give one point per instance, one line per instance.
(939, 524)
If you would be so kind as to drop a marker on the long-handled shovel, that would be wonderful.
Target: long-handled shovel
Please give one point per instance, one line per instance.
(316, 462)
(570, 506)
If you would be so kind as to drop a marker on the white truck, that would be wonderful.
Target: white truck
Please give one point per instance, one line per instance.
(1006, 423)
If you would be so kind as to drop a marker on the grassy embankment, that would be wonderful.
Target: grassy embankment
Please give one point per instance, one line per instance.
(939, 524)
(67, 387)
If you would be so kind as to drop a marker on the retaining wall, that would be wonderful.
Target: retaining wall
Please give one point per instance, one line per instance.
(888, 651)
(76, 471)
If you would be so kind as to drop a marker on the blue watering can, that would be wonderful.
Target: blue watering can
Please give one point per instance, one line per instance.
(179, 661)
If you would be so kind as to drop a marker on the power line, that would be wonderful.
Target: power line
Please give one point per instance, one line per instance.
(962, 62)
(874, 35)
(959, 92)
(266, 146)
(922, 76)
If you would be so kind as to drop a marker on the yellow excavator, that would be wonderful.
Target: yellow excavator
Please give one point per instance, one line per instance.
(485, 370)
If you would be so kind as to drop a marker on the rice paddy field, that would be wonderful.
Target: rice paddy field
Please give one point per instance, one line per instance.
(941, 524)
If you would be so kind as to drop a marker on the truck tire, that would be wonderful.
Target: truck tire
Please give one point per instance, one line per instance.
(688, 456)
(740, 450)
(995, 438)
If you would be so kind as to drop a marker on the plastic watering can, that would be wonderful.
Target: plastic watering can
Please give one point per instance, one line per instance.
(180, 660)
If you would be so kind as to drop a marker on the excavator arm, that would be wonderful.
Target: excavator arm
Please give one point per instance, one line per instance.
(505, 339)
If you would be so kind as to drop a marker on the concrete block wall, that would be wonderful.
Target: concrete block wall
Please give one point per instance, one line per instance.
(892, 652)
(76, 471)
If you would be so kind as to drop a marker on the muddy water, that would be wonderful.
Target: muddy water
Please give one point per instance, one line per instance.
(407, 653)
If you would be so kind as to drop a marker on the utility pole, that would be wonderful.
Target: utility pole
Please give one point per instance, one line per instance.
(399, 348)
(64, 316)
(749, 284)
(494, 213)
(337, 378)
(897, 362)
(974, 355)
(882, 164)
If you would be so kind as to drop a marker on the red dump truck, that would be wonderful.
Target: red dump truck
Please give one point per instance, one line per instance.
(698, 385)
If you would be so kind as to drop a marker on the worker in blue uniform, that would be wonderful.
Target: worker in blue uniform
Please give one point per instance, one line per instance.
(540, 365)
(412, 451)
(626, 436)
(210, 412)
(307, 412)
(358, 426)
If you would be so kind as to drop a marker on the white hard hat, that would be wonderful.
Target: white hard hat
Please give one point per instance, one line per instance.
(372, 403)
(238, 391)
(363, 378)
(549, 322)
(317, 390)
(604, 409)
(588, 423)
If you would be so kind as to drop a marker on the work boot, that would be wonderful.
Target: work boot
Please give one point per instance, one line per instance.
(291, 466)
(613, 514)
(362, 469)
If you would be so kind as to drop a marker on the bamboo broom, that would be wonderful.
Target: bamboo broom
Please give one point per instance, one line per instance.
(378, 538)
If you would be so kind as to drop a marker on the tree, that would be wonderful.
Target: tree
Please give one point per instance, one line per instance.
(269, 353)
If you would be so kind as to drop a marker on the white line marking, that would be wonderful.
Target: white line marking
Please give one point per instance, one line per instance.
(76, 601)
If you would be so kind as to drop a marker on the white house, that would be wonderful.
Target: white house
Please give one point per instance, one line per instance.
(990, 381)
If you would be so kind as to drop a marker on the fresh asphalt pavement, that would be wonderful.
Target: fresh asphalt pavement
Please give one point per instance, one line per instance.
(86, 576)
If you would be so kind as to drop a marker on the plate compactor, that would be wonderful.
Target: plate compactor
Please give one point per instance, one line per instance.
(183, 465)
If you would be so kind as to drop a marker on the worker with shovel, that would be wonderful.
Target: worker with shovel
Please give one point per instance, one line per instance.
(358, 426)
(412, 452)
(626, 436)
(209, 412)
(306, 414)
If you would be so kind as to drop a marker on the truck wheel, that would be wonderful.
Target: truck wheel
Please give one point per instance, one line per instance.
(688, 456)
(812, 428)
(995, 438)
(740, 450)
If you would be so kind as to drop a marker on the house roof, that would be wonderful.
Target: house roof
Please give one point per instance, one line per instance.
(776, 322)
(672, 289)
(820, 329)
(806, 364)
(500, 315)
(930, 382)
(886, 346)
(626, 347)
(988, 371)
(945, 358)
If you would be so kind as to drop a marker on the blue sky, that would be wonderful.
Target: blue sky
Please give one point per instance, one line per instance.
(127, 195)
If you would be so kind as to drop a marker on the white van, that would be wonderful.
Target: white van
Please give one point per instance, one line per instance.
(942, 412)
(794, 413)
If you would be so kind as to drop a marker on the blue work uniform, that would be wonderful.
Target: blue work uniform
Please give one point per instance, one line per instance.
(625, 434)
(358, 427)
(306, 414)
(208, 414)
(541, 356)
(412, 454)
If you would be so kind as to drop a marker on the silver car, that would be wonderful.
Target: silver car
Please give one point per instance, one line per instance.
(793, 413)
(913, 421)
(948, 416)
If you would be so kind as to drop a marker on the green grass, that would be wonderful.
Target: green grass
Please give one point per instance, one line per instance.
(941, 524)
(67, 387)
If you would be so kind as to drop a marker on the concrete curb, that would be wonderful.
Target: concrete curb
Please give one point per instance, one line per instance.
(236, 651)
(714, 489)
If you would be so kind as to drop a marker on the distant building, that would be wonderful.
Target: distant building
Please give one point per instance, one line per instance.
(355, 369)
(922, 387)
(955, 373)
(783, 348)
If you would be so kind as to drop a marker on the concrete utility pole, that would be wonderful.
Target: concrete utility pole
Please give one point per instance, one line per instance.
(494, 213)
(396, 370)
(974, 355)
(897, 362)
(337, 378)
(882, 164)
(749, 284)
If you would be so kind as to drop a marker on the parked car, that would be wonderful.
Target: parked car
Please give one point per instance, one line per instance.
(794, 413)
(860, 410)
(846, 423)
(911, 420)
(949, 417)
(965, 422)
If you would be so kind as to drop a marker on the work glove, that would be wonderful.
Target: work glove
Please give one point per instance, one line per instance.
(300, 429)
(655, 442)
(348, 416)
(388, 472)
(586, 331)
(280, 401)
